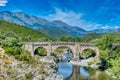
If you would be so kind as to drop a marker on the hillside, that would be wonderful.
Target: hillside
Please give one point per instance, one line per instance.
(12, 30)
(47, 27)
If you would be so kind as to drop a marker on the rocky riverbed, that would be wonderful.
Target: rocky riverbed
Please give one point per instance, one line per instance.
(41, 69)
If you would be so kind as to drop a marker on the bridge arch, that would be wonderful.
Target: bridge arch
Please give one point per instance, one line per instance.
(41, 51)
(72, 48)
(94, 48)
(87, 53)
(68, 51)
(45, 47)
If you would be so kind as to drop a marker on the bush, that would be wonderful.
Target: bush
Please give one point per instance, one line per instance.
(9, 42)
(41, 51)
(12, 50)
(87, 53)
(59, 50)
(24, 56)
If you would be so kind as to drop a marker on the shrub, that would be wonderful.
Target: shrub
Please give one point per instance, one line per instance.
(41, 51)
(9, 42)
(24, 56)
(87, 53)
(12, 50)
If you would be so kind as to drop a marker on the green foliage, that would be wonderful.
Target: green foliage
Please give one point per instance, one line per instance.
(59, 50)
(106, 41)
(115, 69)
(12, 30)
(66, 39)
(87, 53)
(87, 38)
(24, 56)
(109, 54)
(9, 42)
(114, 53)
(91, 36)
(12, 50)
(18, 53)
(41, 51)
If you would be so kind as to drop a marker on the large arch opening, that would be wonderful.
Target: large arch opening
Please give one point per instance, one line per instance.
(63, 53)
(87, 53)
(40, 51)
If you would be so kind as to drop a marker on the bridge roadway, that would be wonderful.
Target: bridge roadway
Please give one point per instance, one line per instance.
(75, 47)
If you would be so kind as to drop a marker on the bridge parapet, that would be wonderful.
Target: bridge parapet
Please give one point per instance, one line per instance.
(87, 44)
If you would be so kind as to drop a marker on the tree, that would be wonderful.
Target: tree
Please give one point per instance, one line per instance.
(9, 42)
(106, 41)
(87, 53)
(67, 39)
(41, 51)
(115, 69)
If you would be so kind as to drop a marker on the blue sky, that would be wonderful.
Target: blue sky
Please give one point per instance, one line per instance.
(88, 14)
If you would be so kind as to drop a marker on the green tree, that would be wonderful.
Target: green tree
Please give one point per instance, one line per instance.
(87, 53)
(115, 69)
(9, 42)
(41, 51)
(106, 41)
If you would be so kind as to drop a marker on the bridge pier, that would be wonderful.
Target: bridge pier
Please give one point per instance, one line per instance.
(29, 48)
(49, 50)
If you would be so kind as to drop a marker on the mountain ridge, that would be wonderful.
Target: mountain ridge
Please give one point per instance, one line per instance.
(42, 24)
(55, 28)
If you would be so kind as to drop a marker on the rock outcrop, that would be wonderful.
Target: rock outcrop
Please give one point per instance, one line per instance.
(40, 69)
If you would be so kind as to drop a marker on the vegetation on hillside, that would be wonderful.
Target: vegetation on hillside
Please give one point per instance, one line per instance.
(12, 37)
(20, 32)
(87, 38)
(110, 53)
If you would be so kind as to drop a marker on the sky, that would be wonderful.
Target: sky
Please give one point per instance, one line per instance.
(87, 14)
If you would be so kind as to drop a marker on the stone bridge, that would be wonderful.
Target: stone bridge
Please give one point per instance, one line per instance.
(75, 47)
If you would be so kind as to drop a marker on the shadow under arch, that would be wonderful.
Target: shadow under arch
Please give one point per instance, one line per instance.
(87, 53)
(41, 51)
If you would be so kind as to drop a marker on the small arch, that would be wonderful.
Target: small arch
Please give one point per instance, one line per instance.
(68, 52)
(87, 53)
(41, 51)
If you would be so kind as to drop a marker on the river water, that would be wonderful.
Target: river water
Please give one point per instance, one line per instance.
(70, 72)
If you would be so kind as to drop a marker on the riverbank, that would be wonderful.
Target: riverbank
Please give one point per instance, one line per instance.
(85, 63)
(40, 69)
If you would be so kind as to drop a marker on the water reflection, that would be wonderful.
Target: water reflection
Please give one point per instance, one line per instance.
(79, 73)
(64, 69)
(84, 72)
(70, 72)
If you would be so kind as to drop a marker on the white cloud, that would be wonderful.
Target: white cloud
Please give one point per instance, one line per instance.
(74, 19)
(3, 2)
(68, 17)
(71, 18)
(109, 27)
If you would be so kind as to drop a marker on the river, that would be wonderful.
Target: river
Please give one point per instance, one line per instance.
(70, 72)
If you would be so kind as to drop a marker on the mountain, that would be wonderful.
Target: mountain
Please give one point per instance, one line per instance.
(111, 30)
(23, 33)
(51, 28)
